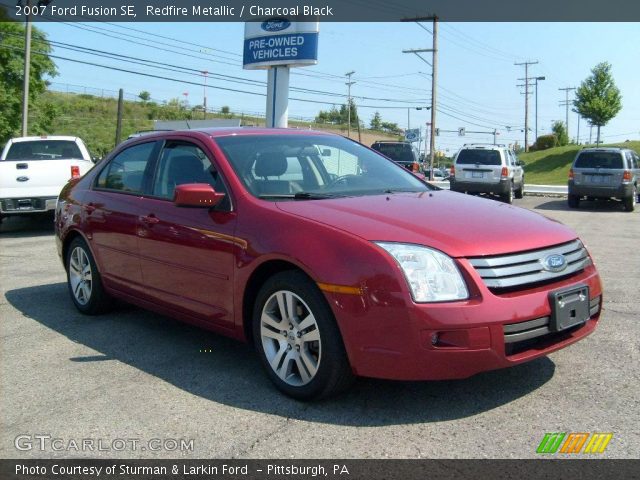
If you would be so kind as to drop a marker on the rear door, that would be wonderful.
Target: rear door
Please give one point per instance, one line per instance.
(599, 169)
(479, 165)
(112, 213)
(187, 254)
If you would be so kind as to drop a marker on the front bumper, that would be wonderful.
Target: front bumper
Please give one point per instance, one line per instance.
(500, 188)
(387, 336)
(21, 206)
(620, 192)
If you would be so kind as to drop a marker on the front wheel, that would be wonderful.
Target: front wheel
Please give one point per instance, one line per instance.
(574, 201)
(297, 339)
(83, 279)
(519, 193)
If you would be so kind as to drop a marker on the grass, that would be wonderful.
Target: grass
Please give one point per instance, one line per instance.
(93, 119)
(551, 167)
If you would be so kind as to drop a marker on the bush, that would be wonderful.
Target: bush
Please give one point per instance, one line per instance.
(543, 142)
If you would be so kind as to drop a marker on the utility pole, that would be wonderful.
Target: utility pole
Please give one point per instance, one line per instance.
(434, 82)
(348, 84)
(204, 104)
(537, 79)
(27, 73)
(565, 104)
(119, 119)
(526, 101)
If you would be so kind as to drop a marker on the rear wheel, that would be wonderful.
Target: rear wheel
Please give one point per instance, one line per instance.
(297, 338)
(574, 201)
(630, 202)
(83, 280)
(520, 191)
(508, 197)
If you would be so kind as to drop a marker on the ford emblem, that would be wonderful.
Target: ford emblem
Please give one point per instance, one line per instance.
(275, 25)
(554, 263)
(22, 179)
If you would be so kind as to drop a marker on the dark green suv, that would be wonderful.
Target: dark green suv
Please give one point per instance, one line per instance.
(605, 173)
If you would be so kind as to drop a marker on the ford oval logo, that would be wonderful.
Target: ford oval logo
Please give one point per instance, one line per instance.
(554, 263)
(22, 179)
(275, 24)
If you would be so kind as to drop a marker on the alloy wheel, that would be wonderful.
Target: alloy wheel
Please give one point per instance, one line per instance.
(80, 276)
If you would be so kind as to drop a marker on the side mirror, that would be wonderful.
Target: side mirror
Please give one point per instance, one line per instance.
(326, 152)
(200, 195)
(520, 163)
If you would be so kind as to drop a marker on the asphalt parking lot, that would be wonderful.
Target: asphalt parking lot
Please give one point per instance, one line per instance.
(132, 374)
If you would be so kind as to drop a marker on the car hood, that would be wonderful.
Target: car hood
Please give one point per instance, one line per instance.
(459, 225)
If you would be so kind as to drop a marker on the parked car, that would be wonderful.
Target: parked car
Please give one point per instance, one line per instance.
(495, 169)
(403, 153)
(605, 173)
(330, 258)
(33, 170)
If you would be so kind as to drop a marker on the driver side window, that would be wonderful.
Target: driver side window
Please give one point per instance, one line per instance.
(339, 163)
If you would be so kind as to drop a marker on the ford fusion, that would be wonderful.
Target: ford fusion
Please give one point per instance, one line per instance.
(333, 261)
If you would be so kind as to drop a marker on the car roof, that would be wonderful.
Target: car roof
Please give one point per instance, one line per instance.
(43, 138)
(604, 149)
(485, 146)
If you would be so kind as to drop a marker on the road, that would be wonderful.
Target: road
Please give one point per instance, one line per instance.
(132, 374)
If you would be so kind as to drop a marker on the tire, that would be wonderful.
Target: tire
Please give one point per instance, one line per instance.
(305, 348)
(520, 191)
(630, 202)
(508, 197)
(83, 280)
(574, 201)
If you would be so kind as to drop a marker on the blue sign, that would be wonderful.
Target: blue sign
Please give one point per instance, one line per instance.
(282, 49)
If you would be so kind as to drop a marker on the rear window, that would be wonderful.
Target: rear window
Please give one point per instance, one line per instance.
(398, 152)
(479, 157)
(44, 150)
(599, 160)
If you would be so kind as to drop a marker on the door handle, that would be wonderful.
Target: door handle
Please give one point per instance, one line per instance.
(150, 219)
(89, 208)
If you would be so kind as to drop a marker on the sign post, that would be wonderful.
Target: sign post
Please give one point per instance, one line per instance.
(276, 45)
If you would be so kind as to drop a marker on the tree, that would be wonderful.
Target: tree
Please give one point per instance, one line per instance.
(376, 121)
(598, 99)
(144, 96)
(560, 131)
(225, 110)
(12, 72)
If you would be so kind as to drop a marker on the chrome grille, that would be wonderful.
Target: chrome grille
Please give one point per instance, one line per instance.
(520, 269)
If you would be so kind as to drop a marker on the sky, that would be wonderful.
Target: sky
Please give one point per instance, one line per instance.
(477, 79)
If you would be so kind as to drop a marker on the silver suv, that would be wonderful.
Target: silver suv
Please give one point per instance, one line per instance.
(480, 168)
(605, 173)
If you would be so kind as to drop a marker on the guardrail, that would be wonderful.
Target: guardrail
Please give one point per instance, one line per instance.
(559, 190)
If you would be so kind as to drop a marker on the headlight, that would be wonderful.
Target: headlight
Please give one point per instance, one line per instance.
(432, 276)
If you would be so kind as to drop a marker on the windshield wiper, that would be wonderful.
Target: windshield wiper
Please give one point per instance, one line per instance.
(298, 195)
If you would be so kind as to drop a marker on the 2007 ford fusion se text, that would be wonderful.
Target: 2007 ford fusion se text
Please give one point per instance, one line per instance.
(332, 260)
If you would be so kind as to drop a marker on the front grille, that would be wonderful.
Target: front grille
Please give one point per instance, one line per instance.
(522, 269)
(534, 333)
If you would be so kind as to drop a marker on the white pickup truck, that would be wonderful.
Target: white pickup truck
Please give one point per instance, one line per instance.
(33, 171)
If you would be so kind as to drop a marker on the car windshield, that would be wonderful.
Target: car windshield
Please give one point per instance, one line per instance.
(44, 150)
(313, 166)
(399, 152)
(599, 160)
(478, 157)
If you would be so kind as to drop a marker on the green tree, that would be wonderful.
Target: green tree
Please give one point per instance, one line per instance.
(12, 72)
(598, 99)
(376, 121)
(560, 131)
(225, 110)
(144, 96)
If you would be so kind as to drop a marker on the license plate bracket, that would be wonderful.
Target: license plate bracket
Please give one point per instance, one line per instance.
(475, 174)
(569, 307)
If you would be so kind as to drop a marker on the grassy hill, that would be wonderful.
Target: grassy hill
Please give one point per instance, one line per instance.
(551, 167)
(93, 119)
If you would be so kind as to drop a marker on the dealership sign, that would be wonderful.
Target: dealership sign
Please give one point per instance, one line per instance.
(280, 42)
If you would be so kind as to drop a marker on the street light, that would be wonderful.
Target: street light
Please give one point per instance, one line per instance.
(409, 114)
(536, 79)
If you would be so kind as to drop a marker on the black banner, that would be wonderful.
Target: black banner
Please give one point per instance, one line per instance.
(322, 10)
(309, 469)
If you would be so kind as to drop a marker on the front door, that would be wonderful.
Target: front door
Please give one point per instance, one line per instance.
(187, 254)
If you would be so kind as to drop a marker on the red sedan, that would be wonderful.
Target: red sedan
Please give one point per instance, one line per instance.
(331, 259)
